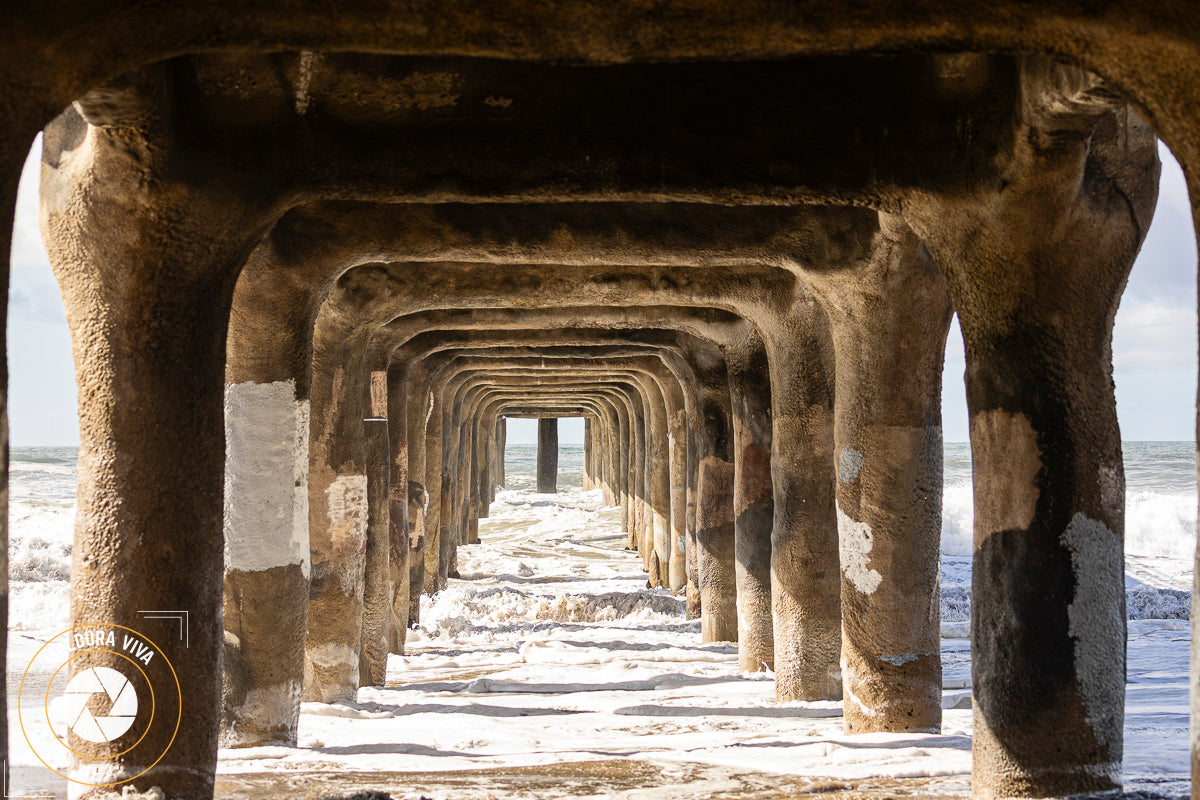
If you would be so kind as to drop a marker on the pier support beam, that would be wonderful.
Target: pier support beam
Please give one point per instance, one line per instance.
(266, 562)
(501, 448)
(417, 543)
(1048, 601)
(804, 543)
(714, 505)
(148, 315)
(889, 311)
(754, 505)
(588, 480)
(377, 571)
(547, 455)
(338, 509)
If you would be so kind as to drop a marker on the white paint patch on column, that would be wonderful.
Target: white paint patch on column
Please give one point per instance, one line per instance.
(898, 660)
(852, 697)
(850, 463)
(300, 483)
(266, 455)
(855, 542)
(1094, 622)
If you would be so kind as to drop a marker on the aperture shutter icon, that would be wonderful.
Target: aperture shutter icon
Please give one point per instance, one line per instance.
(122, 704)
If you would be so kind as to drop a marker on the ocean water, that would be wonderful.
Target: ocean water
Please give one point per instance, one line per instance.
(1160, 499)
(1160, 527)
(550, 650)
(41, 520)
(520, 465)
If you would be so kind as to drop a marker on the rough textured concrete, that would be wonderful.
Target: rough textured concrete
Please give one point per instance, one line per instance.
(378, 595)
(888, 311)
(1049, 518)
(266, 556)
(148, 316)
(338, 513)
(753, 502)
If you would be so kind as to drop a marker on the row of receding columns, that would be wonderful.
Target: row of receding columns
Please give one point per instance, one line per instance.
(763, 389)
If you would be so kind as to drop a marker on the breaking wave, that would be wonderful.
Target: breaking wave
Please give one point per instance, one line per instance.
(465, 612)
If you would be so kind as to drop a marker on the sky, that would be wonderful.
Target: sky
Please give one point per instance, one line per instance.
(1154, 343)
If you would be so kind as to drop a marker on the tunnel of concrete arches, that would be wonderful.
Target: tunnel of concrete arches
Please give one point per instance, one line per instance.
(756, 340)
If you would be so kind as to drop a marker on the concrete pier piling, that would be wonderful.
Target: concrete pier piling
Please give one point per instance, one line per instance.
(547, 456)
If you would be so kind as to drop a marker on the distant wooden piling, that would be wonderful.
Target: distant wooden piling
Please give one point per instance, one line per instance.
(547, 456)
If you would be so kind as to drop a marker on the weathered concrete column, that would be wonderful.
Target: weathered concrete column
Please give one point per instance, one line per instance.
(608, 451)
(637, 473)
(147, 267)
(497, 481)
(690, 562)
(266, 561)
(338, 511)
(613, 451)
(399, 573)
(630, 468)
(377, 571)
(714, 503)
(646, 526)
(624, 450)
(486, 484)
(421, 420)
(1048, 611)
(715, 536)
(461, 454)
(677, 457)
(889, 312)
(612, 456)
(754, 505)
(480, 436)
(265, 611)
(805, 568)
(547, 456)
(661, 493)
(501, 448)
(394, 391)
(437, 546)
(417, 544)
(587, 454)
(479, 480)
(656, 541)
(439, 477)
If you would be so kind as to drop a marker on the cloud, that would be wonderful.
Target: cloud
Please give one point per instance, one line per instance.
(33, 292)
(1156, 323)
(1166, 266)
(1155, 334)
